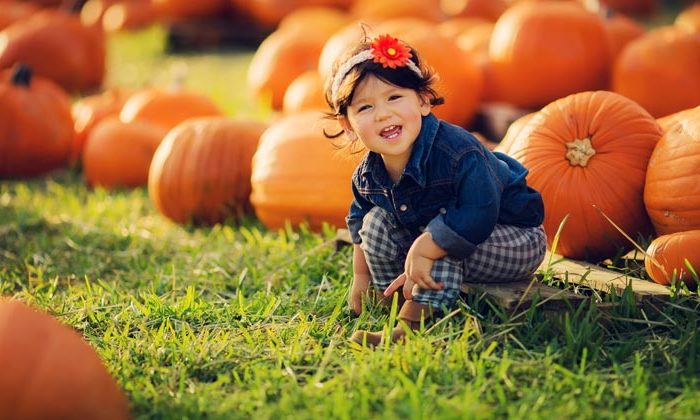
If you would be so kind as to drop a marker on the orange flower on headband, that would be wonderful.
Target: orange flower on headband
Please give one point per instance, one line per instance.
(390, 52)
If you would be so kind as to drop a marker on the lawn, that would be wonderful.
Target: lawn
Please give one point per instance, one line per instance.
(236, 321)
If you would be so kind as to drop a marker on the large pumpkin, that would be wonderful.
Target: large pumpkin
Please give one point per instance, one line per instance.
(200, 173)
(667, 255)
(270, 13)
(588, 153)
(36, 127)
(299, 176)
(118, 154)
(672, 191)
(57, 46)
(542, 51)
(660, 70)
(48, 371)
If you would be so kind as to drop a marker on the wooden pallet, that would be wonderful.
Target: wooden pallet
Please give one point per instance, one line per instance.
(523, 294)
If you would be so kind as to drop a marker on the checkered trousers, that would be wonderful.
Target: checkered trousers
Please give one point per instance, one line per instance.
(511, 253)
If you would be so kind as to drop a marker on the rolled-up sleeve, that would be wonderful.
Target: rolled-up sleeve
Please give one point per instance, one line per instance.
(473, 215)
(359, 207)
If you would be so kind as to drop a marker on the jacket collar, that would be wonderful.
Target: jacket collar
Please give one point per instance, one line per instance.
(373, 164)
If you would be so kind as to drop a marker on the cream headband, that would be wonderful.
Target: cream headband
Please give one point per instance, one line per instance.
(384, 49)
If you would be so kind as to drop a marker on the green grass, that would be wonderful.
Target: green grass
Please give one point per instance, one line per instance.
(239, 322)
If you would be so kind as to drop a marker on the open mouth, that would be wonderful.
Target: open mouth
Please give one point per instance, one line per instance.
(391, 132)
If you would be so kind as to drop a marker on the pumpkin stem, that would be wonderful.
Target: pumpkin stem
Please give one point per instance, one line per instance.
(579, 151)
(22, 75)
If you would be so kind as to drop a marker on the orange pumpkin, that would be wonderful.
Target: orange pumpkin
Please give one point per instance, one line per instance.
(621, 31)
(299, 176)
(590, 149)
(304, 93)
(118, 155)
(486, 9)
(90, 110)
(269, 13)
(201, 171)
(58, 46)
(49, 371)
(542, 51)
(392, 9)
(167, 107)
(689, 18)
(667, 255)
(324, 20)
(672, 191)
(281, 58)
(660, 70)
(36, 133)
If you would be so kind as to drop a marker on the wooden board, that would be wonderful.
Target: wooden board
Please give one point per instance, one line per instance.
(523, 294)
(601, 279)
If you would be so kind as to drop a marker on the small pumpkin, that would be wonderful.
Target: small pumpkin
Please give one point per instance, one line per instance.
(201, 171)
(305, 93)
(36, 134)
(587, 153)
(91, 109)
(282, 57)
(667, 255)
(672, 188)
(118, 154)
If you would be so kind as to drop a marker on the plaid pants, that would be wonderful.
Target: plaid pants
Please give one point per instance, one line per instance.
(511, 253)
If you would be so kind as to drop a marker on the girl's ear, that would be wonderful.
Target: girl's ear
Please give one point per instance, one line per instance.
(425, 106)
(347, 128)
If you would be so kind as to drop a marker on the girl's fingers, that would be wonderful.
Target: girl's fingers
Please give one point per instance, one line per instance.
(394, 286)
(427, 282)
(408, 289)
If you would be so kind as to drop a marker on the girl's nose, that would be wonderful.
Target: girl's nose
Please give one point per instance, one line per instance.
(382, 112)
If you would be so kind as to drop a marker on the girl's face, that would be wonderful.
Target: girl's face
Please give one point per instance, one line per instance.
(386, 118)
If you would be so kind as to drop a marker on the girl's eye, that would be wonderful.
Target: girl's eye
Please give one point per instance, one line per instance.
(362, 108)
(394, 97)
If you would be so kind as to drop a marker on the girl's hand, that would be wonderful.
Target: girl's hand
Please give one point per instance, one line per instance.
(419, 262)
(358, 291)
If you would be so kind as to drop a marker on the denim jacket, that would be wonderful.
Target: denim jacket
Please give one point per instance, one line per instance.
(452, 186)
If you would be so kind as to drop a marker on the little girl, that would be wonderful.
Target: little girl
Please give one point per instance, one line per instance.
(432, 207)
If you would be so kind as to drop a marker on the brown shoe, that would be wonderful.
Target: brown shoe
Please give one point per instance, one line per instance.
(409, 318)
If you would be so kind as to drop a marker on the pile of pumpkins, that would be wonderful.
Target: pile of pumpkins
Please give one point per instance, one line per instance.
(602, 144)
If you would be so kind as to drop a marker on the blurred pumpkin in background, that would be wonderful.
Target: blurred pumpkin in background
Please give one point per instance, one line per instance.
(36, 126)
(201, 171)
